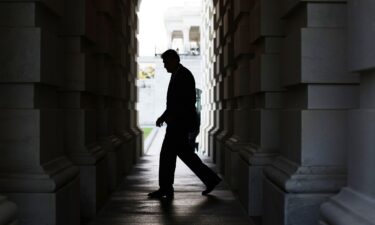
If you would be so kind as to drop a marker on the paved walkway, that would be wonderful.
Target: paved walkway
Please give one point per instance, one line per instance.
(130, 205)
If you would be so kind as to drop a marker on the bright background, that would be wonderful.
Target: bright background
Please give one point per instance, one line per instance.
(152, 33)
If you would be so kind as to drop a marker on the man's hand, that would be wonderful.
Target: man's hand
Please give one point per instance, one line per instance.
(159, 122)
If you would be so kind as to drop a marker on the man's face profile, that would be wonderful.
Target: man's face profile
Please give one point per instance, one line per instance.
(170, 64)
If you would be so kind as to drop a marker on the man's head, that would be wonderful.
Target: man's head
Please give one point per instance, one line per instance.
(171, 60)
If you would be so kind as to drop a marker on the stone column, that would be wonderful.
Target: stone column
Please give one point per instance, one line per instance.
(109, 15)
(228, 99)
(127, 134)
(313, 122)
(8, 212)
(224, 93)
(216, 89)
(170, 39)
(121, 128)
(34, 171)
(239, 88)
(186, 37)
(132, 75)
(261, 102)
(355, 203)
(86, 85)
(207, 72)
(214, 121)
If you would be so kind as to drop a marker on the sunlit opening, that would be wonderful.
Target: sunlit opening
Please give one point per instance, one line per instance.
(165, 24)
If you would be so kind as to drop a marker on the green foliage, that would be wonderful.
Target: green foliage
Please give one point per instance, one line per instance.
(146, 73)
(146, 132)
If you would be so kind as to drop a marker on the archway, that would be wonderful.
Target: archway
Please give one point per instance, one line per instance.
(181, 30)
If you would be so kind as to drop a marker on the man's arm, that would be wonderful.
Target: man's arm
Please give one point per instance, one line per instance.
(161, 119)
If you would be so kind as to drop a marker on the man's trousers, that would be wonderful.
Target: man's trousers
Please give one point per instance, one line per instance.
(176, 143)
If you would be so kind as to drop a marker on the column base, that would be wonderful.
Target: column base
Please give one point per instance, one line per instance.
(216, 153)
(250, 187)
(206, 126)
(112, 145)
(293, 194)
(93, 179)
(47, 197)
(283, 208)
(12, 223)
(94, 188)
(8, 212)
(232, 158)
(219, 139)
(126, 158)
(208, 147)
(347, 208)
(138, 143)
(57, 208)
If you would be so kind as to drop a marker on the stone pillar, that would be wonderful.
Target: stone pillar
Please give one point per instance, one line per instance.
(35, 173)
(86, 85)
(207, 72)
(132, 76)
(214, 122)
(8, 212)
(186, 37)
(223, 67)
(217, 129)
(228, 101)
(127, 135)
(355, 203)
(110, 15)
(216, 89)
(261, 103)
(169, 39)
(313, 122)
(121, 96)
(239, 87)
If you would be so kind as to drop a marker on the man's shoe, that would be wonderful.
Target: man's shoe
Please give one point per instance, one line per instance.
(211, 187)
(161, 194)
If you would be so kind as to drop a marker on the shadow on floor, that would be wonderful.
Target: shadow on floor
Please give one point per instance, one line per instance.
(130, 205)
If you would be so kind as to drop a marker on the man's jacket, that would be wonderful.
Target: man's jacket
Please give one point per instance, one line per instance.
(181, 100)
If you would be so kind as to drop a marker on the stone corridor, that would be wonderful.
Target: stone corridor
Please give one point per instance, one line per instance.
(288, 113)
(129, 203)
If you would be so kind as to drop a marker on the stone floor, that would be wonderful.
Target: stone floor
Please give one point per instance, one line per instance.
(130, 205)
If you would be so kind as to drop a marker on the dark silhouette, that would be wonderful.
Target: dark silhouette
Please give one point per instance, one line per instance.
(193, 135)
(181, 118)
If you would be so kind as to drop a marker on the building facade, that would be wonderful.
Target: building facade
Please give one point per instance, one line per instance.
(183, 25)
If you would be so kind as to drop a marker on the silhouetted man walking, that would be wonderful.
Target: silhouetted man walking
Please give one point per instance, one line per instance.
(181, 118)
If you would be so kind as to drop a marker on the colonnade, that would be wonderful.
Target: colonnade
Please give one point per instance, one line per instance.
(291, 120)
(68, 129)
(288, 111)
